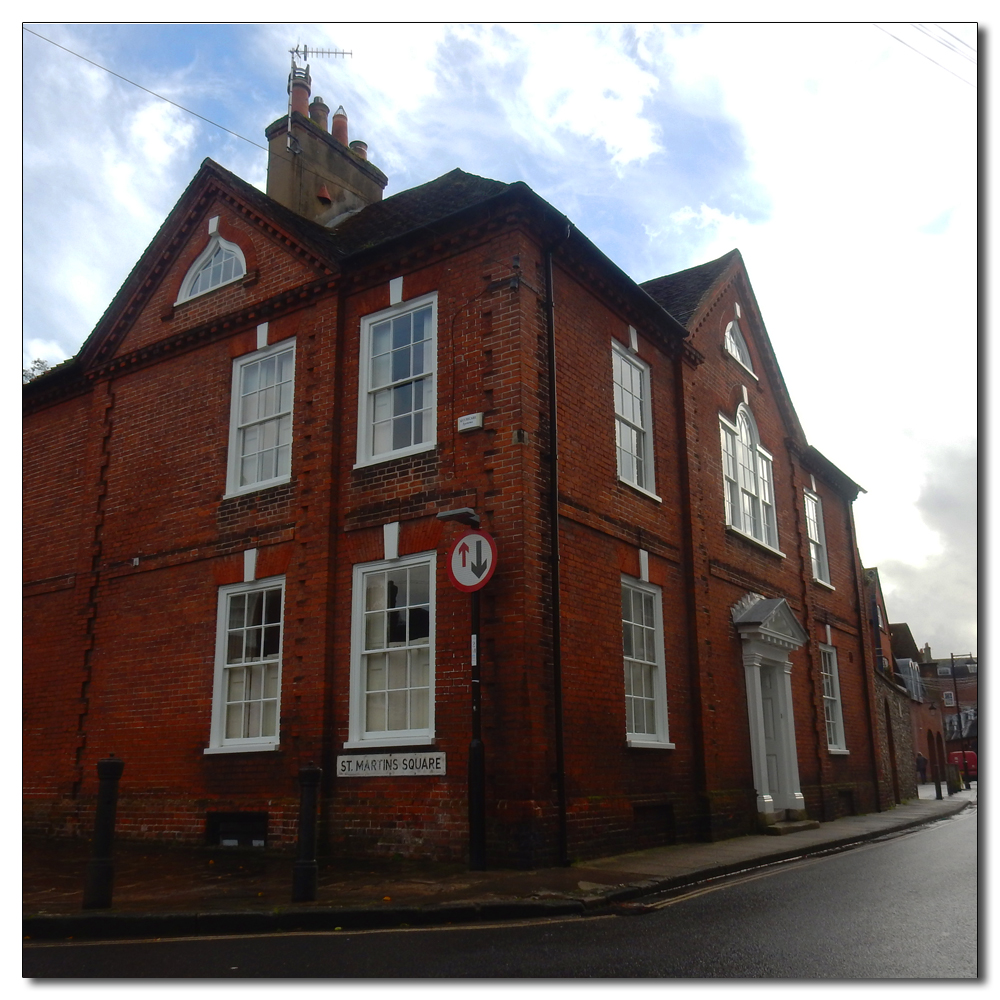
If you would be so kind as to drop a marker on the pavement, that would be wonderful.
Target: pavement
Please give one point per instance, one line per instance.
(182, 891)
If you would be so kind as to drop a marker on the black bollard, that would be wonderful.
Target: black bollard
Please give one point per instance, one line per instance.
(305, 874)
(100, 868)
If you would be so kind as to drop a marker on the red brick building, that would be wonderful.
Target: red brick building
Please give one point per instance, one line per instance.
(898, 694)
(234, 564)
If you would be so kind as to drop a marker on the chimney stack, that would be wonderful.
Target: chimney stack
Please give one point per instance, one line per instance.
(317, 173)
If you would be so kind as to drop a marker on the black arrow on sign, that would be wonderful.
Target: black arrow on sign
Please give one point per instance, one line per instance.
(480, 564)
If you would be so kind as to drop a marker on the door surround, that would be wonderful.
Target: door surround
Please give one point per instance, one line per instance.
(770, 633)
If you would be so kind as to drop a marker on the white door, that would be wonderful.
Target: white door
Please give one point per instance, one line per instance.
(770, 704)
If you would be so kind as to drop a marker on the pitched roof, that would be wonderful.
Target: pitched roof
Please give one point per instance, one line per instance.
(904, 646)
(681, 293)
(380, 222)
(310, 234)
(412, 209)
(835, 476)
(376, 225)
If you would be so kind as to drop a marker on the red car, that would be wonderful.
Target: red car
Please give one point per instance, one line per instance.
(955, 757)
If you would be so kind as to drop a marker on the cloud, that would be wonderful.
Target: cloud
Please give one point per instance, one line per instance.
(104, 163)
(938, 597)
(842, 164)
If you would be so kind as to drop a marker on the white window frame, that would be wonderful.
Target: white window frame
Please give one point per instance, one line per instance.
(238, 428)
(215, 243)
(948, 699)
(368, 393)
(218, 741)
(833, 714)
(633, 665)
(736, 346)
(748, 480)
(357, 735)
(643, 479)
(816, 533)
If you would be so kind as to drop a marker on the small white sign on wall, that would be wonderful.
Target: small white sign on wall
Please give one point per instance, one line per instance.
(470, 422)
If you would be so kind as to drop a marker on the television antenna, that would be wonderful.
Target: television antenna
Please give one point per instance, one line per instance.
(298, 72)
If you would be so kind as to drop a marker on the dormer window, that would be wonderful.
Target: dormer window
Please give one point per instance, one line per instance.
(220, 263)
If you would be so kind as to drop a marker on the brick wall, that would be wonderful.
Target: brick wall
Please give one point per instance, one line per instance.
(121, 643)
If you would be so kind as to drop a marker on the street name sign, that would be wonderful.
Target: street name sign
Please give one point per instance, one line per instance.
(472, 560)
(400, 765)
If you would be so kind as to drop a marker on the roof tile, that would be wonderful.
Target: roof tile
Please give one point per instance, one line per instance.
(681, 293)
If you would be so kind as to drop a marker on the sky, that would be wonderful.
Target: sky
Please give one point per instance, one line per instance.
(841, 159)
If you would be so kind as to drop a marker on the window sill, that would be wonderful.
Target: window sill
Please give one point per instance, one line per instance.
(208, 291)
(639, 743)
(640, 489)
(838, 752)
(256, 487)
(389, 741)
(823, 583)
(243, 748)
(756, 541)
(390, 456)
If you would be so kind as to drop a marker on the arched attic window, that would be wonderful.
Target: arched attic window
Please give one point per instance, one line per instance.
(220, 263)
(736, 343)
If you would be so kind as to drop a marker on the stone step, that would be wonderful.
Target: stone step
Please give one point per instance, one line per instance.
(782, 827)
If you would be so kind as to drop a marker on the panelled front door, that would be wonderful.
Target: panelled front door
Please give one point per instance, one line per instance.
(771, 708)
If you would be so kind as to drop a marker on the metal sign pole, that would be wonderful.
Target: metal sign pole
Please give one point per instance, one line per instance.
(477, 758)
(471, 564)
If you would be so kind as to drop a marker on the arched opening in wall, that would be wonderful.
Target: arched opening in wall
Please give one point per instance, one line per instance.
(891, 741)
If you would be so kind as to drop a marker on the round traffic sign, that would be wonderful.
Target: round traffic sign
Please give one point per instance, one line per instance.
(472, 560)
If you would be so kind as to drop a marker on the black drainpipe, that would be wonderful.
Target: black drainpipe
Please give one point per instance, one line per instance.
(554, 551)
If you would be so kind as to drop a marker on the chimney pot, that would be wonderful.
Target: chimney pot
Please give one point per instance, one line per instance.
(338, 127)
(360, 148)
(300, 86)
(319, 113)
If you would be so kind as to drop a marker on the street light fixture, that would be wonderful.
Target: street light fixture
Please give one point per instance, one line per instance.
(464, 515)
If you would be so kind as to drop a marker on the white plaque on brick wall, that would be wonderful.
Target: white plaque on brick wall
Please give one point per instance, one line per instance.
(470, 422)
(391, 765)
